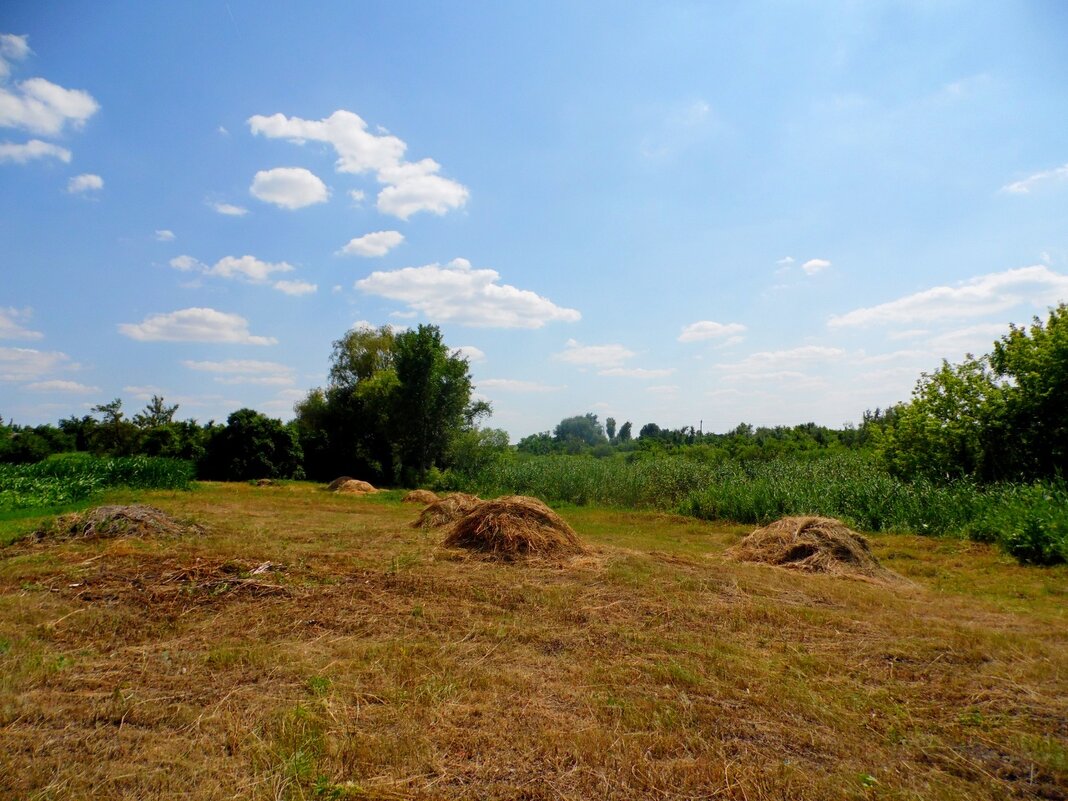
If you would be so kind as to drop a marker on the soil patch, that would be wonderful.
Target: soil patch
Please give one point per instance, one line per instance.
(515, 526)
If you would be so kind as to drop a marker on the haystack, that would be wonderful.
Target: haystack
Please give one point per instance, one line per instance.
(337, 482)
(420, 496)
(105, 522)
(515, 526)
(355, 487)
(812, 544)
(446, 510)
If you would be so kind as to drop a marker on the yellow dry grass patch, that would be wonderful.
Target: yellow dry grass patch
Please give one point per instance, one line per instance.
(368, 663)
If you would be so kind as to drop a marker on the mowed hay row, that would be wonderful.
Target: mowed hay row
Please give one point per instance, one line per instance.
(515, 526)
(446, 510)
(814, 545)
(105, 522)
(420, 496)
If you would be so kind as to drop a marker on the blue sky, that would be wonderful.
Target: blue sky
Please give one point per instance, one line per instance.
(673, 213)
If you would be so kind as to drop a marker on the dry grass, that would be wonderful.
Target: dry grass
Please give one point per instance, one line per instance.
(103, 522)
(446, 510)
(352, 486)
(420, 496)
(363, 661)
(813, 544)
(513, 527)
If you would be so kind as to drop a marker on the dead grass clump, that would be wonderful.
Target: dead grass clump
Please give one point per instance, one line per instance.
(420, 496)
(446, 510)
(515, 526)
(106, 522)
(813, 544)
(355, 487)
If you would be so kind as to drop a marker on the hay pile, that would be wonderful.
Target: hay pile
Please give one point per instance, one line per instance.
(105, 522)
(351, 486)
(813, 544)
(446, 510)
(515, 526)
(420, 496)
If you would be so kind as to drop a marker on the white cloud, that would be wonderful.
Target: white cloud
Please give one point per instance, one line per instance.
(27, 364)
(247, 267)
(513, 385)
(194, 325)
(360, 325)
(187, 264)
(61, 386)
(636, 372)
(289, 187)
(785, 261)
(357, 195)
(707, 329)
(295, 287)
(283, 402)
(457, 293)
(410, 187)
(593, 355)
(813, 266)
(42, 107)
(87, 182)
(471, 353)
(11, 324)
(664, 390)
(245, 371)
(164, 235)
(1036, 286)
(12, 48)
(1024, 186)
(34, 149)
(766, 362)
(377, 244)
(229, 209)
(145, 392)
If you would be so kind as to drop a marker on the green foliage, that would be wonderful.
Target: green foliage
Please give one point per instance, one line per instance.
(1028, 521)
(398, 405)
(62, 480)
(583, 429)
(249, 446)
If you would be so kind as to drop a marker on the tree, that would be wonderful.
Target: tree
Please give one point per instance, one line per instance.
(649, 431)
(610, 428)
(251, 445)
(945, 431)
(1036, 400)
(624, 432)
(361, 354)
(583, 429)
(114, 435)
(156, 413)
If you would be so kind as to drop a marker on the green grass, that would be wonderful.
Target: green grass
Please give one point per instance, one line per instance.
(1029, 522)
(68, 480)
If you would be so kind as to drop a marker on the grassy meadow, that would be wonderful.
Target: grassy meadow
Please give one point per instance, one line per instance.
(316, 646)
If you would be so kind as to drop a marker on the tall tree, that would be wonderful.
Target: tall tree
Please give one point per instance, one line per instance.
(156, 413)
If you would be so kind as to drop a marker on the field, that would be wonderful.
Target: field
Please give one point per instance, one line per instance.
(314, 646)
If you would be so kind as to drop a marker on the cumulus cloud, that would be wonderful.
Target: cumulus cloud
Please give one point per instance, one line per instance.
(87, 182)
(1025, 185)
(247, 267)
(245, 371)
(163, 235)
(1036, 286)
(296, 287)
(471, 353)
(708, 329)
(289, 187)
(514, 385)
(57, 385)
(409, 187)
(44, 108)
(229, 209)
(605, 356)
(34, 149)
(194, 325)
(458, 293)
(12, 48)
(377, 244)
(813, 266)
(27, 364)
(636, 372)
(11, 324)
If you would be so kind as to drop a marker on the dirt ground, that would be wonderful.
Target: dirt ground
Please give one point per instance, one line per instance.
(308, 645)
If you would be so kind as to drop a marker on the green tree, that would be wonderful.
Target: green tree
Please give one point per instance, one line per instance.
(610, 429)
(156, 413)
(115, 434)
(583, 429)
(624, 432)
(251, 445)
(1035, 424)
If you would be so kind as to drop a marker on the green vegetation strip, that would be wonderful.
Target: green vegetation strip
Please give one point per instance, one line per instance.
(69, 479)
